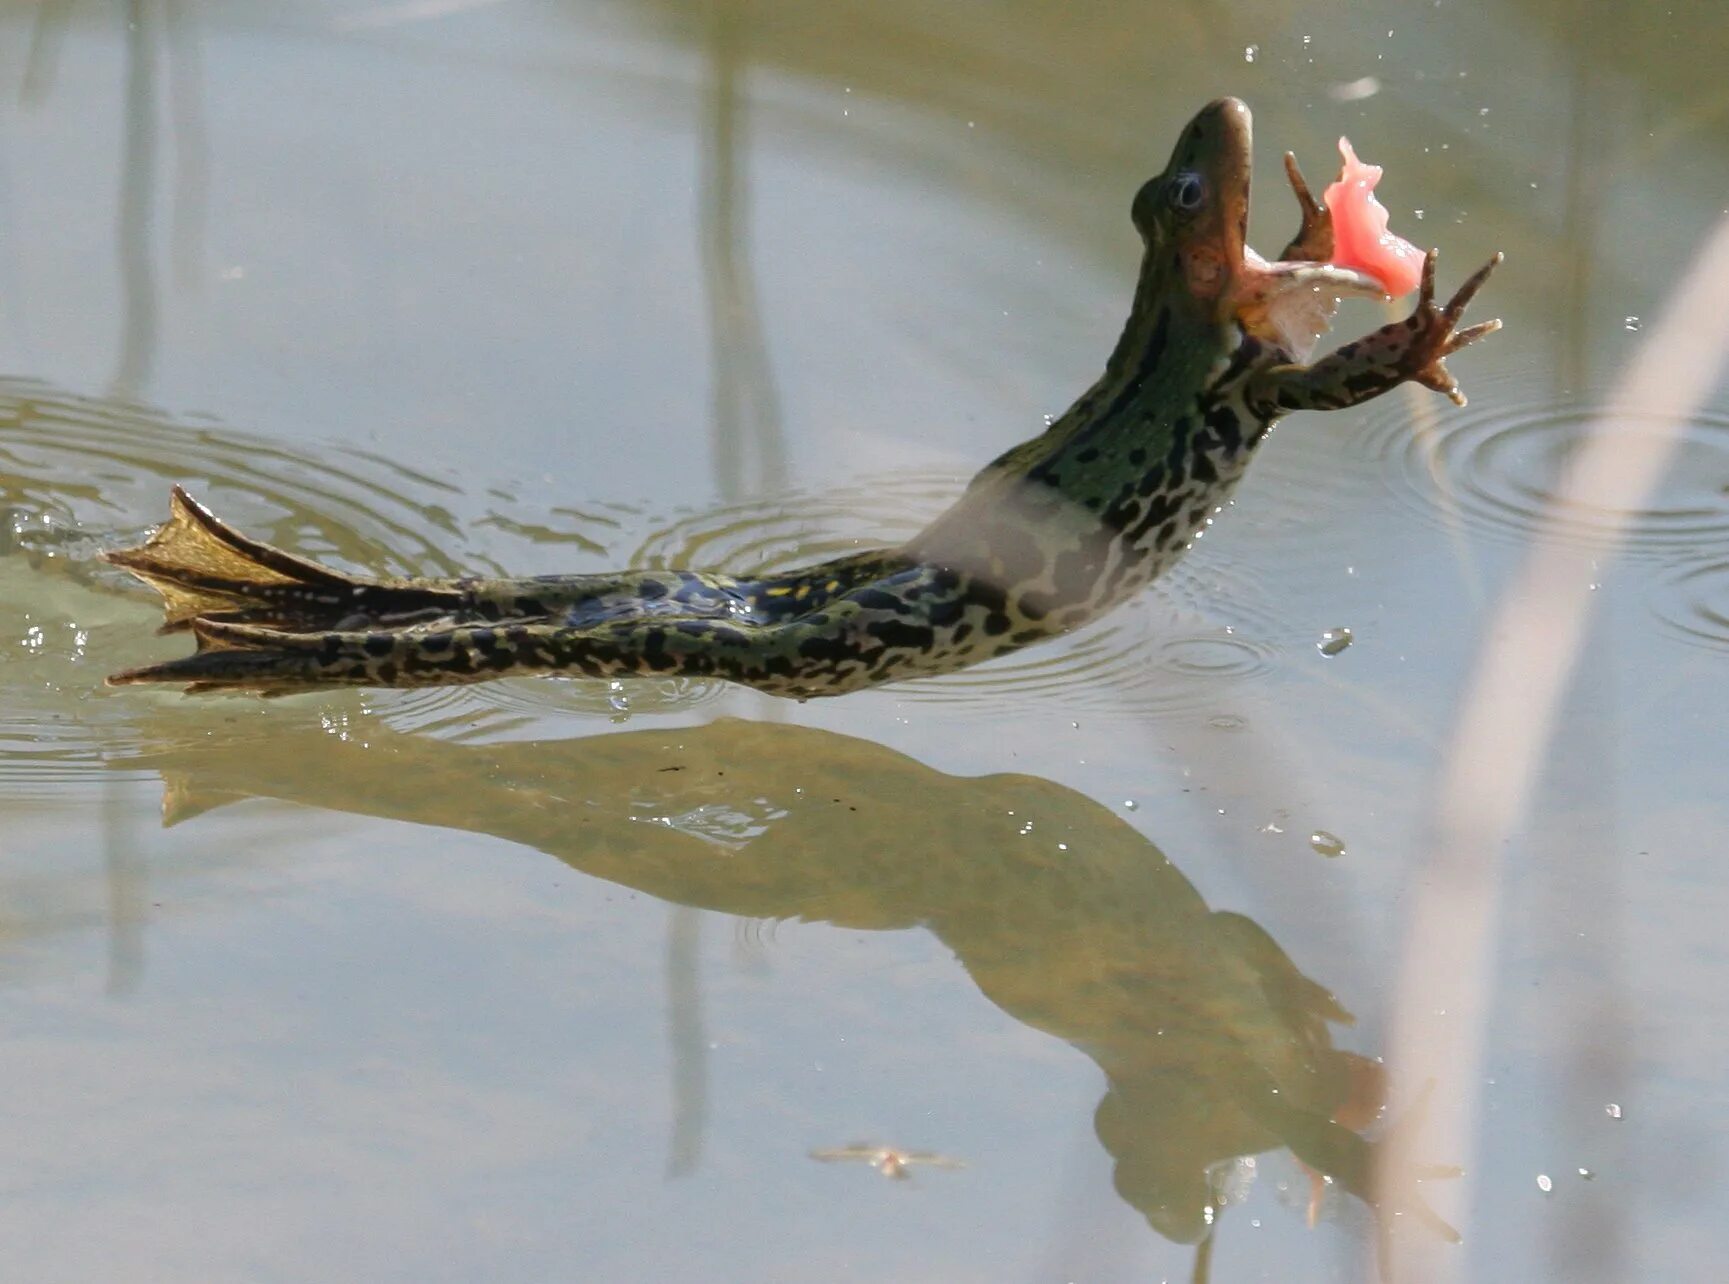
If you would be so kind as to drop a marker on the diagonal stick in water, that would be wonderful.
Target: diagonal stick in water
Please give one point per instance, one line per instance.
(1498, 744)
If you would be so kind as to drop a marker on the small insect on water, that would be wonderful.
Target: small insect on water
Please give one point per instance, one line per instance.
(890, 1161)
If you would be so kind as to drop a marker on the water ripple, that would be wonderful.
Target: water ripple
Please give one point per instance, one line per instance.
(1198, 630)
(787, 530)
(1181, 648)
(1691, 600)
(81, 474)
(1495, 469)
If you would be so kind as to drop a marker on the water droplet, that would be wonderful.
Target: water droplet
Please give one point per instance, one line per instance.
(1250, 51)
(1630, 323)
(1328, 845)
(1612, 1110)
(1334, 641)
(619, 701)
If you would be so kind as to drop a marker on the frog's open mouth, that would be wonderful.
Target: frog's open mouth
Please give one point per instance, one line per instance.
(1291, 304)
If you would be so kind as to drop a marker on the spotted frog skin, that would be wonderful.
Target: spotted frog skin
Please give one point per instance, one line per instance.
(1054, 533)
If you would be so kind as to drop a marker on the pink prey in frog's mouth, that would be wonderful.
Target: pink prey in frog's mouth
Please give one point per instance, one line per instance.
(1288, 302)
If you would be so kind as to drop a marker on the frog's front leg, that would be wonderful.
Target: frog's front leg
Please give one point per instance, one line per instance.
(1313, 242)
(1413, 349)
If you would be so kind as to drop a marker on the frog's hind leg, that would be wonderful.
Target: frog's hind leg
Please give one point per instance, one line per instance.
(205, 569)
(269, 661)
(888, 628)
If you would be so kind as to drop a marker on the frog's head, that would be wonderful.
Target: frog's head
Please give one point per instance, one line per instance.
(1194, 216)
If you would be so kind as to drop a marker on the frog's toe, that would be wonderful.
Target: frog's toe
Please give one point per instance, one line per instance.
(1436, 376)
(1313, 242)
(1470, 334)
(1465, 293)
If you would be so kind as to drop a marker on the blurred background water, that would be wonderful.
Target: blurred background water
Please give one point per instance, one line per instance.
(559, 980)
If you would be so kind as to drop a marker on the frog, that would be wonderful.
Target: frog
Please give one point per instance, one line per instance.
(1050, 536)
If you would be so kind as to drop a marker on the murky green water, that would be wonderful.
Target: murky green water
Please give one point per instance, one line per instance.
(554, 981)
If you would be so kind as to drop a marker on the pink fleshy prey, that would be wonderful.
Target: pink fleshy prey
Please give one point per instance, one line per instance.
(1360, 236)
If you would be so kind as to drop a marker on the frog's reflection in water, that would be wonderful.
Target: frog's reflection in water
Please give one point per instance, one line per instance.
(1214, 1044)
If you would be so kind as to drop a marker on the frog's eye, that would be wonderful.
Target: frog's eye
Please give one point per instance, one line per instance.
(1186, 192)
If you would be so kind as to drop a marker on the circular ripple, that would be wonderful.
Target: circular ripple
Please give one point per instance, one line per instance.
(1198, 633)
(778, 534)
(81, 474)
(1201, 628)
(1691, 600)
(1495, 468)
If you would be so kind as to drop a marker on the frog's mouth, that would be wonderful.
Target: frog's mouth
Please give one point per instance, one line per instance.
(1287, 304)
(1291, 304)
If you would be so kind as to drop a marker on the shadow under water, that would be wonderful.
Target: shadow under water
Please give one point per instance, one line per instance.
(1215, 1046)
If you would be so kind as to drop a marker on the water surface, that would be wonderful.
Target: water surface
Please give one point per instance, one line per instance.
(555, 980)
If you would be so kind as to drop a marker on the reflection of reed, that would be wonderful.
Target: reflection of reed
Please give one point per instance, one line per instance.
(126, 895)
(191, 144)
(749, 453)
(47, 35)
(749, 458)
(1213, 1044)
(138, 307)
(689, 1045)
(135, 209)
(1512, 705)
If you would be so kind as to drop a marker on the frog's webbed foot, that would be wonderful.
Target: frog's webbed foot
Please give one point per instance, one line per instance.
(1437, 337)
(1313, 242)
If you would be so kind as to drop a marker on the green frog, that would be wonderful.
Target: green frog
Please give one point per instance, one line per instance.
(1051, 535)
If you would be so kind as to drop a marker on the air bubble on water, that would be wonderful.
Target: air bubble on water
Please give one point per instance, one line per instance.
(1544, 1184)
(1129, 804)
(1419, 215)
(619, 701)
(1586, 1174)
(1250, 51)
(1334, 641)
(1630, 323)
(1612, 1110)
(1325, 844)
